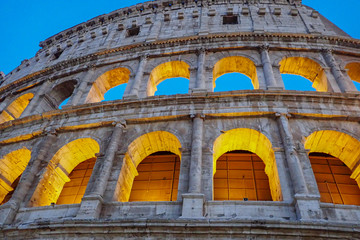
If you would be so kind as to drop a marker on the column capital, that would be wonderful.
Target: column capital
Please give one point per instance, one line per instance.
(49, 131)
(120, 124)
(287, 115)
(200, 50)
(197, 115)
(327, 50)
(264, 47)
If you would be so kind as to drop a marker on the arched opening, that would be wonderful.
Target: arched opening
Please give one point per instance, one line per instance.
(307, 68)
(296, 82)
(168, 70)
(16, 108)
(173, 86)
(56, 96)
(74, 190)
(161, 152)
(240, 175)
(59, 170)
(12, 166)
(335, 159)
(236, 64)
(333, 180)
(354, 73)
(259, 146)
(107, 81)
(233, 82)
(158, 178)
(115, 93)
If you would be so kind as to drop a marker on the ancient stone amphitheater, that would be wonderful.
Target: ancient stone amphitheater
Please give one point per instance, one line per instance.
(261, 163)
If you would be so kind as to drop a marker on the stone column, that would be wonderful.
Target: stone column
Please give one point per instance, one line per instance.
(268, 70)
(200, 75)
(261, 77)
(342, 81)
(307, 206)
(193, 201)
(92, 201)
(82, 88)
(156, 28)
(8, 99)
(30, 109)
(39, 156)
(134, 92)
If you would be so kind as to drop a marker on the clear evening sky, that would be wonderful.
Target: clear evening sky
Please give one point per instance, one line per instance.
(24, 23)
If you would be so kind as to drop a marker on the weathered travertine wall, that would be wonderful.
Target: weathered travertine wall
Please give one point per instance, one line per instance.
(184, 38)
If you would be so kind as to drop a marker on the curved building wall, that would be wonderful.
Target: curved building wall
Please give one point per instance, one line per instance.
(198, 40)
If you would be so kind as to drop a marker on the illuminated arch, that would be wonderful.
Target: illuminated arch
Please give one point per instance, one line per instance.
(59, 168)
(12, 165)
(255, 142)
(335, 181)
(306, 68)
(354, 71)
(236, 64)
(105, 82)
(339, 145)
(165, 71)
(138, 150)
(16, 108)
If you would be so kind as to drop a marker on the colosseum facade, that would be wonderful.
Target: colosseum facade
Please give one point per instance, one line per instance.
(266, 163)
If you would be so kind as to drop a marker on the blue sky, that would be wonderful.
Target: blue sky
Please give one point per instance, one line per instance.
(24, 23)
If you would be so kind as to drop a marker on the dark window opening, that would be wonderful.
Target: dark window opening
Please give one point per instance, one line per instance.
(57, 55)
(230, 19)
(134, 31)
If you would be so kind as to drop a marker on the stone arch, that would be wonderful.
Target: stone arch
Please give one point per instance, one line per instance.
(138, 150)
(57, 95)
(12, 165)
(353, 71)
(237, 64)
(59, 168)
(165, 71)
(253, 141)
(307, 68)
(16, 108)
(340, 146)
(106, 81)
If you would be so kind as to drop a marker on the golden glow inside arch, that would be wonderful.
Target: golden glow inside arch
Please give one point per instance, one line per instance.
(165, 71)
(139, 149)
(16, 108)
(339, 145)
(306, 68)
(236, 64)
(107, 81)
(12, 166)
(252, 141)
(60, 166)
(354, 71)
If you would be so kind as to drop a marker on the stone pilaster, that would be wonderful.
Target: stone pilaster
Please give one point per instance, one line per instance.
(193, 201)
(200, 74)
(135, 87)
(78, 97)
(92, 201)
(271, 82)
(343, 82)
(30, 109)
(307, 206)
(38, 159)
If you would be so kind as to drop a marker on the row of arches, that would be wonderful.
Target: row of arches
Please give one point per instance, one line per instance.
(229, 73)
(244, 168)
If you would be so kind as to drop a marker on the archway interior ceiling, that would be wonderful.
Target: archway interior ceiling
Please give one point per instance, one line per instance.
(165, 71)
(337, 144)
(306, 68)
(354, 71)
(107, 81)
(255, 142)
(16, 108)
(236, 64)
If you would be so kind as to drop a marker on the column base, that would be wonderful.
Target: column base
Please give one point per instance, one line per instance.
(308, 207)
(131, 97)
(198, 90)
(90, 207)
(7, 213)
(275, 88)
(193, 205)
